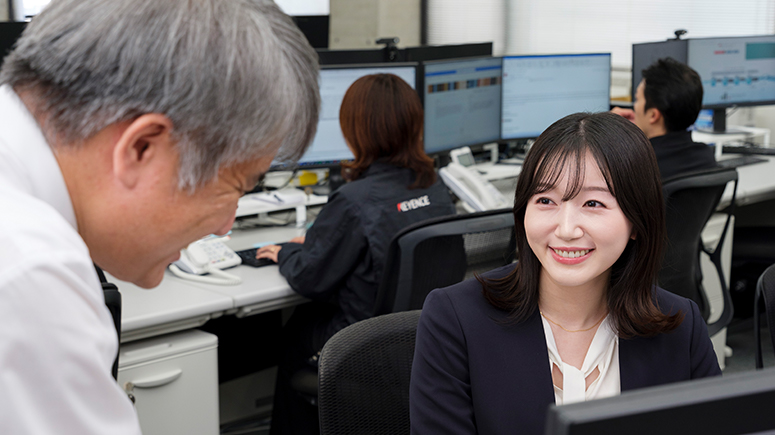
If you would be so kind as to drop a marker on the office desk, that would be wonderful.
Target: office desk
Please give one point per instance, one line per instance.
(173, 306)
(756, 183)
(178, 304)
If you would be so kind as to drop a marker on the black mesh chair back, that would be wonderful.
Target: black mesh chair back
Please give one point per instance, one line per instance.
(440, 252)
(691, 199)
(765, 291)
(364, 374)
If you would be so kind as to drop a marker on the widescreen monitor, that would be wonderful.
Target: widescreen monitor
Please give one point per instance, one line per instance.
(539, 90)
(462, 103)
(734, 71)
(329, 147)
(740, 403)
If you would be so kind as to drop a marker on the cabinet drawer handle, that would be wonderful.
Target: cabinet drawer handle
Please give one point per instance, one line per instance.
(158, 380)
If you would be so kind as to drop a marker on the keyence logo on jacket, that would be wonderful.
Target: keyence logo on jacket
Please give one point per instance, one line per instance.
(414, 204)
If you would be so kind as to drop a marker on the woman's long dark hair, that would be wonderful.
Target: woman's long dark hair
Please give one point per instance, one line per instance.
(382, 118)
(629, 167)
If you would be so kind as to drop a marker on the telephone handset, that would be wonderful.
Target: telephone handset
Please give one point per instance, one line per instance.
(207, 256)
(477, 193)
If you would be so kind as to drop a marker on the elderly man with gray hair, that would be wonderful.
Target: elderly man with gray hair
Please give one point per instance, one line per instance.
(128, 129)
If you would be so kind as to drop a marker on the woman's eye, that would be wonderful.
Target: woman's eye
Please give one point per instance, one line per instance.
(593, 203)
(544, 201)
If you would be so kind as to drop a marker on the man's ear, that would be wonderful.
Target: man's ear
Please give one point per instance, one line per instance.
(654, 116)
(142, 143)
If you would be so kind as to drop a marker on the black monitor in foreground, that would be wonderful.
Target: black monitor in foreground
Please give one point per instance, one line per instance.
(539, 90)
(329, 147)
(742, 403)
(462, 100)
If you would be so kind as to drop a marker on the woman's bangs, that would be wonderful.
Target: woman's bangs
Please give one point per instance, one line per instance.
(558, 161)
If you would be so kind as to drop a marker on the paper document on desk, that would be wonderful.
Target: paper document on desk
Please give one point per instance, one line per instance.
(264, 202)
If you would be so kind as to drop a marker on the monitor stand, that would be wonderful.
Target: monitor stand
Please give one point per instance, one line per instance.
(720, 124)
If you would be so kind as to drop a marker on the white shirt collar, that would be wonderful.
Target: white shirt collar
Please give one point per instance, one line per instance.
(26, 159)
(601, 355)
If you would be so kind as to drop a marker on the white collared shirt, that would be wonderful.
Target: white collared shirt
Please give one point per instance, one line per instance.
(603, 354)
(57, 339)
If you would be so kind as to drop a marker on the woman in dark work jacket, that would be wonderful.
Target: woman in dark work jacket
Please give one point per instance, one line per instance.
(578, 317)
(392, 184)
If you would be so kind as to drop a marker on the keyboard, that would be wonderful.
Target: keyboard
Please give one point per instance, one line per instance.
(248, 257)
(740, 161)
(748, 150)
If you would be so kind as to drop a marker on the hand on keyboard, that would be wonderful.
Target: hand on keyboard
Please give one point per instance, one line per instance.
(248, 257)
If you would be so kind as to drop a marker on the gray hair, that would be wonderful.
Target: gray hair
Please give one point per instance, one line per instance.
(237, 78)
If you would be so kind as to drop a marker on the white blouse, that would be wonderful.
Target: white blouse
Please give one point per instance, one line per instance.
(603, 354)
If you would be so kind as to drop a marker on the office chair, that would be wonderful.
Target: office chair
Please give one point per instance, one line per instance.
(765, 291)
(440, 252)
(691, 199)
(113, 302)
(432, 254)
(364, 376)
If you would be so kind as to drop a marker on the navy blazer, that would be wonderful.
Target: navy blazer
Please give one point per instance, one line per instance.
(473, 373)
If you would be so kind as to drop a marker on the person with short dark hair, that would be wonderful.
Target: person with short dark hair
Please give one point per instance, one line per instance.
(667, 102)
(338, 264)
(578, 316)
(128, 129)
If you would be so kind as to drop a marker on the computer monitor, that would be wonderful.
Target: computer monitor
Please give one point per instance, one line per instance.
(409, 54)
(539, 90)
(9, 33)
(329, 147)
(645, 54)
(315, 28)
(462, 103)
(740, 403)
(735, 71)
(426, 53)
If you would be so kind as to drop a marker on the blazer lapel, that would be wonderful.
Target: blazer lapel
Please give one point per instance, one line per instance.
(637, 360)
(532, 374)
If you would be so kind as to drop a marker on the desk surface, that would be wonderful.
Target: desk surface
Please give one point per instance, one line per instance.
(756, 183)
(179, 304)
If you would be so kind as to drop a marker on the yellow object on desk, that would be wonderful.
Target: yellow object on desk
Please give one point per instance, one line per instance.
(307, 178)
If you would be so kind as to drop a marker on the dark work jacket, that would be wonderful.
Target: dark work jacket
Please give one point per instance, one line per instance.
(677, 153)
(344, 252)
(474, 374)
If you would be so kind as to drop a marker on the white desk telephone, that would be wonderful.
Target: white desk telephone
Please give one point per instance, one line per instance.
(477, 193)
(207, 256)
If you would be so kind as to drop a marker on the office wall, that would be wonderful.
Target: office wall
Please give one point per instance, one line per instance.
(3, 10)
(358, 23)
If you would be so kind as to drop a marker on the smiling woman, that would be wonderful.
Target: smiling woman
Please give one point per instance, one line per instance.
(578, 317)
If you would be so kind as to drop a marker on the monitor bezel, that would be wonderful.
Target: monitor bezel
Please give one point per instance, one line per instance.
(421, 92)
(671, 399)
(518, 138)
(328, 164)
